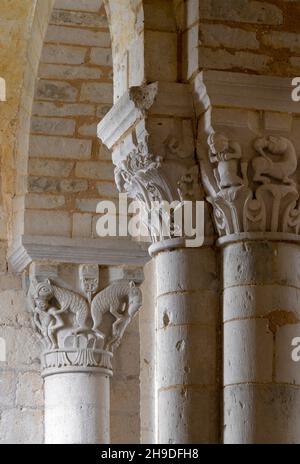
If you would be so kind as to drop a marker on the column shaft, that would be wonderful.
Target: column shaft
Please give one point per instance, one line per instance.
(77, 408)
(186, 346)
(261, 317)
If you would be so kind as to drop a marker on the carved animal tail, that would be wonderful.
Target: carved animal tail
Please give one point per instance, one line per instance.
(82, 315)
(97, 318)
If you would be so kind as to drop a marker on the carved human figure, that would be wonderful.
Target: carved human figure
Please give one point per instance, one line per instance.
(122, 299)
(226, 154)
(265, 167)
(46, 317)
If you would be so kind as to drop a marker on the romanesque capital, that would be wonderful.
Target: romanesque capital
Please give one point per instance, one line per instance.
(81, 331)
(252, 186)
(150, 132)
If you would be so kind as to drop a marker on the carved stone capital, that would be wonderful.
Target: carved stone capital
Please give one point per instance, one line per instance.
(252, 188)
(150, 133)
(247, 149)
(81, 331)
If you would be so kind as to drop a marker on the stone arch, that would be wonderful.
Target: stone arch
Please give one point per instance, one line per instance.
(66, 170)
(25, 48)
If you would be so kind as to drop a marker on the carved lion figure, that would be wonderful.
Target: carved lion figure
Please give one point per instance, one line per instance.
(42, 294)
(122, 299)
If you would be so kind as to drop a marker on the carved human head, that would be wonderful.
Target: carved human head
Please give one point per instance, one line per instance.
(89, 278)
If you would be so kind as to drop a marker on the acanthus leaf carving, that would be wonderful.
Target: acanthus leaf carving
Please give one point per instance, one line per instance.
(148, 179)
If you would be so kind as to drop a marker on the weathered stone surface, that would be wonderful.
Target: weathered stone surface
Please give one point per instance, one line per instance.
(107, 189)
(48, 223)
(21, 426)
(94, 170)
(51, 90)
(174, 278)
(288, 40)
(51, 109)
(74, 18)
(261, 263)
(242, 362)
(82, 225)
(216, 35)
(51, 168)
(29, 390)
(54, 71)
(60, 147)
(77, 36)
(222, 59)
(268, 414)
(96, 92)
(7, 388)
(177, 403)
(80, 5)
(46, 185)
(241, 11)
(259, 300)
(101, 56)
(63, 54)
(53, 126)
(36, 201)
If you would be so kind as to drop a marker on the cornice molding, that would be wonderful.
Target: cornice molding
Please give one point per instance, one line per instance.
(239, 90)
(102, 251)
(156, 99)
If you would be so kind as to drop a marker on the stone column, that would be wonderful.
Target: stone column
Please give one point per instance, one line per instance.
(79, 333)
(150, 134)
(250, 169)
(261, 318)
(77, 406)
(186, 344)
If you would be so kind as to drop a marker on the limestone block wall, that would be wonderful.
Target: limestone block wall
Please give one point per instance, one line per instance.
(65, 172)
(21, 399)
(69, 170)
(256, 37)
(21, 393)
